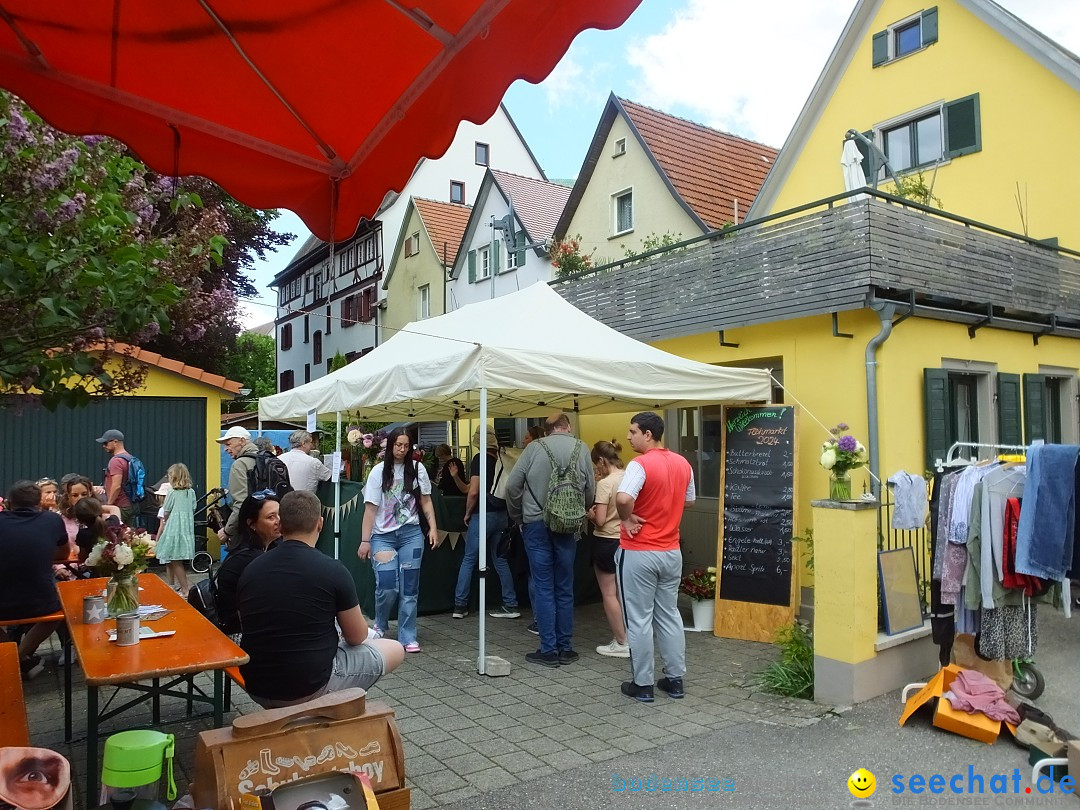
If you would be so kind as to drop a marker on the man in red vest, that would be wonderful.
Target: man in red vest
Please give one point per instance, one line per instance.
(656, 487)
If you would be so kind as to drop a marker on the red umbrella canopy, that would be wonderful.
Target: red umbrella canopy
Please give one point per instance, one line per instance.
(319, 106)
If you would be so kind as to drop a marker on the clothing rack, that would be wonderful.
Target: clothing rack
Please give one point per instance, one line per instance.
(952, 455)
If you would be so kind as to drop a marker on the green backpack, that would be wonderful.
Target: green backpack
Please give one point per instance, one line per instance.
(564, 511)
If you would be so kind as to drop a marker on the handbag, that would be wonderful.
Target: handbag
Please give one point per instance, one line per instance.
(203, 597)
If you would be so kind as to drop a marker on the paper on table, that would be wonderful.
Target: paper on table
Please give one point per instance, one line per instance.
(146, 632)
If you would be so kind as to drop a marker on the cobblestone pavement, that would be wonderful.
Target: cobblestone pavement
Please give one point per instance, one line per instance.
(467, 734)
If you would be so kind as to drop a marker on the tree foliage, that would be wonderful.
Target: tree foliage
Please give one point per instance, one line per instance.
(253, 363)
(97, 250)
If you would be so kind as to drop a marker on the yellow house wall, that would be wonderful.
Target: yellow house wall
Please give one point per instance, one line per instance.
(1026, 111)
(162, 383)
(655, 210)
(826, 376)
(409, 274)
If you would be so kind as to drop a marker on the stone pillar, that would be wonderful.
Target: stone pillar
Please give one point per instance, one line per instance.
(845, 599)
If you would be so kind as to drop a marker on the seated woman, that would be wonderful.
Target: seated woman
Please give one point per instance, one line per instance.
(259, 531)
(94, 517)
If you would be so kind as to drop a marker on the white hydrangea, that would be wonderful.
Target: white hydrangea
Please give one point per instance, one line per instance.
(828, 458)
(123, 555)
(93, 559)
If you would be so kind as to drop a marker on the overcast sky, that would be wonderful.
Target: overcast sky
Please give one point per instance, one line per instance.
(742, 67)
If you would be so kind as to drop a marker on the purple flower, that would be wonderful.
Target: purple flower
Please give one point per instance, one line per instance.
(847, 444)
(93, 140)
(842, 426)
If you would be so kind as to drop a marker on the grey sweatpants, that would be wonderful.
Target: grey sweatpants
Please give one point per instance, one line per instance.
(648, 590)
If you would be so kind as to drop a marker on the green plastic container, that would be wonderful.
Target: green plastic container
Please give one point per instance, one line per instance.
(134, 759)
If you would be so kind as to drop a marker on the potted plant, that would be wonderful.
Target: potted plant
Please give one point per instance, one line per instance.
(700, 586)
(840, 455)
(121, 555)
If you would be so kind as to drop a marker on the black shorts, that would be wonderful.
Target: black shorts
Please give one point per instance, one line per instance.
(603, 553)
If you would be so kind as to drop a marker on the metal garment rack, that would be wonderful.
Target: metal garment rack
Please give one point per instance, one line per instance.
(953, 455)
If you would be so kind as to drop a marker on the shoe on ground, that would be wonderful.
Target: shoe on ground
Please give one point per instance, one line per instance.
(412, 647)
(31, 667)
(568, 656)
(460, 611)
(550, 659)
(505, 612)
(673, 686)
(644, 694)
(376, 632)
(532, 628)
(61, 661)
(614, 649)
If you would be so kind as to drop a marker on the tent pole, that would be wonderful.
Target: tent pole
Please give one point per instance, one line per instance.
(337, 496)
(481, 661)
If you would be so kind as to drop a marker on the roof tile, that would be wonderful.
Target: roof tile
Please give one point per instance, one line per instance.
(445, 224)
(192, 372)
(718, 175)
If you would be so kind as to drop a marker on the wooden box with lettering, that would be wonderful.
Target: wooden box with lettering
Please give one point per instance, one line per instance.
(340, 731)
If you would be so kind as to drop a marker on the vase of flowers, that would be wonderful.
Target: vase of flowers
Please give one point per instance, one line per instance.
(700, 586)
(368, 450)
(841, 454)
(121, 555)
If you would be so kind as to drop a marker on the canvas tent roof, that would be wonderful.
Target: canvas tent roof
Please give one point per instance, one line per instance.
(533, 352)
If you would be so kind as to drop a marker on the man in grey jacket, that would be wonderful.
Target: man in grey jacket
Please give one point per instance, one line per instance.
(238, 444)
(551, 555)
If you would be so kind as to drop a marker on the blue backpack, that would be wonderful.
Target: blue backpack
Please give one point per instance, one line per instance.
(134, 483)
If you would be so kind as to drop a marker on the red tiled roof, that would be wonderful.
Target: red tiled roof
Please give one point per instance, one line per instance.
(175, 366)
(445, 223)
(709, 169)
(537, 203)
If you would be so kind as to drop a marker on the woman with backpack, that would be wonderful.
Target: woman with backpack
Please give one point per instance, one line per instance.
(396, 498)
(176, 535)
(498, 523)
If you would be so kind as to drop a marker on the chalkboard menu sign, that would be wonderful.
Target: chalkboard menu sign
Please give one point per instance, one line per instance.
(758, 504)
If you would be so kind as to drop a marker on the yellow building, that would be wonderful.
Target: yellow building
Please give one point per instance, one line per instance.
(916, 326)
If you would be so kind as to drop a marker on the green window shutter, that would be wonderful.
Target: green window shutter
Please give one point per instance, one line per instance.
(936, 414)
(869, 162)
(929, 26)
(881, 48)
(472, 266)
(520, 238)
(498, 257)
(1010, 426)
(963, 133)
(1034, 407)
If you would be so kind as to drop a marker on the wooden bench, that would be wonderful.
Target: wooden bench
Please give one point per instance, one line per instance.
(234, 676)
(49, 617)
(13, 726)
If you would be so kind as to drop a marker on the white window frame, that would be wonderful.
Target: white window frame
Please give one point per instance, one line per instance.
(618, 195)
(412, 245)
(511, 260)
(909, 118)
(487, 153)
(483, 263)
(1070, 401)
(423, 302)
(895, 28)
(618, 149)
(985, 388)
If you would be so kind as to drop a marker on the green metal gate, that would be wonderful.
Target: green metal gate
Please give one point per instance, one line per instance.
(159, 430)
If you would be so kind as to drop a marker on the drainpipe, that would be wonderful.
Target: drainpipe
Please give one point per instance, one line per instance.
(885, 314)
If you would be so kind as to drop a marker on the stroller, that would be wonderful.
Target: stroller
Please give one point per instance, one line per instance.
(210, 515)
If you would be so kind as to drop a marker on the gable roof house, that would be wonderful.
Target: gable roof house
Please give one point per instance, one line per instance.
(324, 309)
(919, 326)
(648, 174)
(420, 262)
(534, 207)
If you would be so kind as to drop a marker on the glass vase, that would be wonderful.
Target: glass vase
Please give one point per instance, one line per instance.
(840, 487)
(122, 595)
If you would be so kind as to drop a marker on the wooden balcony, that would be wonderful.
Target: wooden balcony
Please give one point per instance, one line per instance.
(846, 253)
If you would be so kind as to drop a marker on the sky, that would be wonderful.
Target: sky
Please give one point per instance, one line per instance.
(728, 64)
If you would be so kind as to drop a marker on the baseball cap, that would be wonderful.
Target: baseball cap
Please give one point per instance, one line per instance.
(235, 432)
(111, 436)
(164, 489)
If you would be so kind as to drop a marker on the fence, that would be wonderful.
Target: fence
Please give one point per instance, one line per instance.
(918, 540)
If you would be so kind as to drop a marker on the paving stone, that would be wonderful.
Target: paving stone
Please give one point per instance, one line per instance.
(468, 763)
(589, 745)
(455, 723)
(631, 745)
(421, 763)
(562, 732)
(445, 749)
(475, 734)
(419, 800)
(491, 779)
(543, 770)
(428, 736)
(561, 760)
(438, 782)
(516, 734)
(499, 721)
(410, 725)
(459, 795)
(480, 710)
(541, 746)
(517, 761)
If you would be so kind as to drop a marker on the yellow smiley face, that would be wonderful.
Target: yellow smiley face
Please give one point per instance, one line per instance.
(862, 784)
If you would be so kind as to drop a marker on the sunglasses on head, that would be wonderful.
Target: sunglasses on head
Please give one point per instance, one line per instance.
(263, 494)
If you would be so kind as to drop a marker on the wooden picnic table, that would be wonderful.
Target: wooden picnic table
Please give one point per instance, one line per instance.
(197, 646)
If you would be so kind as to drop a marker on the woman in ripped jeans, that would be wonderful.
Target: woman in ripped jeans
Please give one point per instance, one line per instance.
(392, 537)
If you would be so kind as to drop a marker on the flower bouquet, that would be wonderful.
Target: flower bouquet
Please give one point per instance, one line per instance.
(699, 584)
(840, 455)
(121, 555)
(368, 450)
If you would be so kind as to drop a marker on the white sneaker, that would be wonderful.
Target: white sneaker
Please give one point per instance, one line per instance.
(614, 649)
(60, 658)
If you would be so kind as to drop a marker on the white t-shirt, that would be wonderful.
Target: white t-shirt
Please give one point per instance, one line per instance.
(395, 508)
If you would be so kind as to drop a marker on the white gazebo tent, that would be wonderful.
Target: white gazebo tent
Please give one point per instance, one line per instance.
(524, 354)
